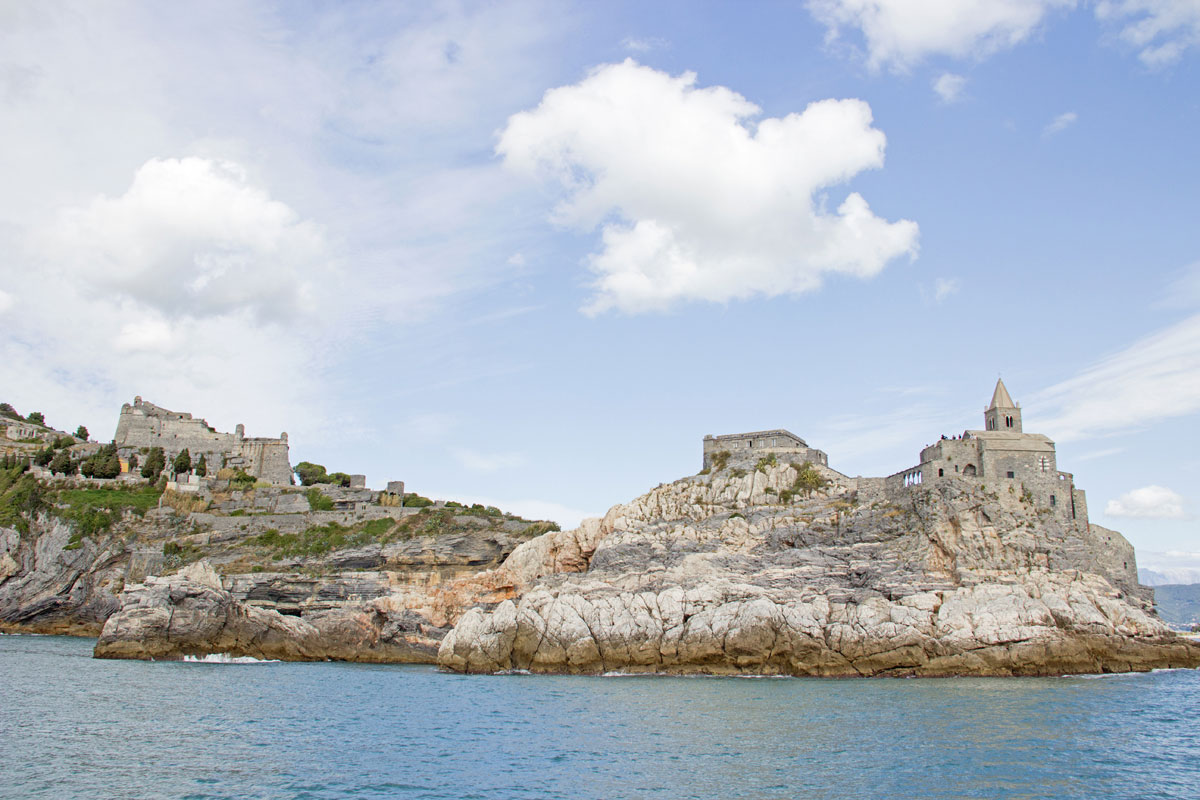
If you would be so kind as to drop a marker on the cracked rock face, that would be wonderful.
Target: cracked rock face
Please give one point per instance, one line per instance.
(727, 573)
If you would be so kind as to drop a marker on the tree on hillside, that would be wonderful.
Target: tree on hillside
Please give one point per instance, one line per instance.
(61, 464)
(156, 462)
(310, 473)
(43, 456)
(8, 411)
(202, 466)
(36, 417)
(81, 433)
(183, 461)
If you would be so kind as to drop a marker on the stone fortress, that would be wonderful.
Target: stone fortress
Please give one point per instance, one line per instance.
(1000, 454)
(778, 441)
(144, 425)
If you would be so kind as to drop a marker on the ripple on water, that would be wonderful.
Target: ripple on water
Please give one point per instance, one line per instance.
(72, 726)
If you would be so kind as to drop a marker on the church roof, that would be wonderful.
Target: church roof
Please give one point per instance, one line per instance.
(1001, 398)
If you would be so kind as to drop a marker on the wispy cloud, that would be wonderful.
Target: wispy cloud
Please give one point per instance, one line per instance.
(1148, 502)
(949, 87)
(1060, 124)
(1098, 454)
(644, 44)
(1161, 30)
(1154, 379)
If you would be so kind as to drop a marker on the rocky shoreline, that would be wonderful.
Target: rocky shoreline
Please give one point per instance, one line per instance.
(713, 574)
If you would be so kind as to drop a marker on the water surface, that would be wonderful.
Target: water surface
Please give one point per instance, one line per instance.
(72, 726)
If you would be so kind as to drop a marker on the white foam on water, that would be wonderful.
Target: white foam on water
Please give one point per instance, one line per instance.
(225, 658)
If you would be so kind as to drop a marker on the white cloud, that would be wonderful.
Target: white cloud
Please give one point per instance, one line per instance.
(1060, 123)
(477, 461)
(1161, 30)
(694, 201)
(944, 287)
(949, 87)
(636, 44)
(6, 301)
(1154, 379)
(1148, 502)
(183, 184)
(193, 236)
(901, 33)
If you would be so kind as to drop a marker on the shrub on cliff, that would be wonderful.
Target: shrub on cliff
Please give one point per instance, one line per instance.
(202, 466)
(37, 418)
(81, 433)
(318, 501)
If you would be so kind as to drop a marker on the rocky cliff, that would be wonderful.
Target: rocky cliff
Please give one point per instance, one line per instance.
(363, 583)
(740, 571)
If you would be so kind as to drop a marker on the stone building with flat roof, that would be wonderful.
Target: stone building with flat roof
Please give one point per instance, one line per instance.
(779, 441)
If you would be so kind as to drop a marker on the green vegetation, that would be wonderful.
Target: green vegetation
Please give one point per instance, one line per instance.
(62, 464)
(93, 511)
(720, 460)
(766, 461)
(242, 480)
(318, 501)
(202, 466)
(156, 462)
(538, 528)
(738, 473)
(183, 462)
(36, 418)
(322, 539)
(808, 480)
(21, 496)
(310, 473)
(104, 463)
(81, 433)
(412, 500)
(8, 411)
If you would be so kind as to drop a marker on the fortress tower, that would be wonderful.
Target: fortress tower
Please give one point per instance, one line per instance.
(143, 425)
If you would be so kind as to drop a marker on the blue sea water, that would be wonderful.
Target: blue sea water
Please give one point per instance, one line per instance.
(73, 727)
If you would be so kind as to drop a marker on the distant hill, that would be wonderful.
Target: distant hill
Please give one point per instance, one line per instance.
(1179, 604)
(1163, 577)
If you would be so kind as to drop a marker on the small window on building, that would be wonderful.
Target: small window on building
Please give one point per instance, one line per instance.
(941, 472)
(1011, 474)
(1053, 500)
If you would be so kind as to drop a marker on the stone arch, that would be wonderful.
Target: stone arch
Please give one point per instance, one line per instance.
(969, 470)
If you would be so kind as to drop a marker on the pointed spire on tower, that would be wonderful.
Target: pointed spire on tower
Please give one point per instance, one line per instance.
(1001, 397)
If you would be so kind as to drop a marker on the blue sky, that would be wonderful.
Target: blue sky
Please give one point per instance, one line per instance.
(530, 253)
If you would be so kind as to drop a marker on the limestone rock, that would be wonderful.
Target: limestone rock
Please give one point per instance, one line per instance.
(190, 614)
(719, 574)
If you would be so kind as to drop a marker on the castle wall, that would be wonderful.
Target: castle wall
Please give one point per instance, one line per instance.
(143, 425)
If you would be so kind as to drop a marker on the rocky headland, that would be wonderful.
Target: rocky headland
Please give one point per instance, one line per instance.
(765, 562)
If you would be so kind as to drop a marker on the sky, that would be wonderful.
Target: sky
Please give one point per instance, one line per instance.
(530, 253)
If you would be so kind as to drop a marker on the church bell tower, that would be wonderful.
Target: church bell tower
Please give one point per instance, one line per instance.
(1003, 414)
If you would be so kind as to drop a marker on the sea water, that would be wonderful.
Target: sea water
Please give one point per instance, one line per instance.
(75, 727)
